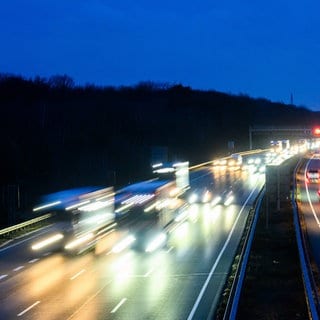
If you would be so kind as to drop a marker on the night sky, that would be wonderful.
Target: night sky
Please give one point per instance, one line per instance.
(267, 49)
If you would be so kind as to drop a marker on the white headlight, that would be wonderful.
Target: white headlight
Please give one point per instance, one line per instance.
(193, 198)
(157, 242)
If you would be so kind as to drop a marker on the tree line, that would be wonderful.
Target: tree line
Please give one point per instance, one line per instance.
(56, 135)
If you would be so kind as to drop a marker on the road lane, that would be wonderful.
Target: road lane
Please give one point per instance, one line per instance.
(309, 206)
(132, 284)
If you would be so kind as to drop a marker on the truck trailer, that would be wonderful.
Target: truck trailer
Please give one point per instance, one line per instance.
(147, 212)
(79, 217)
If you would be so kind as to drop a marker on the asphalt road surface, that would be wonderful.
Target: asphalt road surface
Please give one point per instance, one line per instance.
(182, 280)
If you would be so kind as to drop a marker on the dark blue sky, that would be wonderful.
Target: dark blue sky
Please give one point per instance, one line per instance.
(264, 49)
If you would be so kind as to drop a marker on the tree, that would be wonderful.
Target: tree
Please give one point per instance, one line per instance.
(61, 82)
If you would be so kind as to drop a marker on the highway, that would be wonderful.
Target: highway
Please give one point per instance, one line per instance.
(309, 206)
(183, 280)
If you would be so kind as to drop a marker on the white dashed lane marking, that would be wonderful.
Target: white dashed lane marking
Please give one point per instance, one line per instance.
(27, 309)
(115, 309)
(77, 274)
(18, 268)
(34, 260)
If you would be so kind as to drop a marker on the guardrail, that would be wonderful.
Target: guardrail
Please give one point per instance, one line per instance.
(308, 280)
(236, 288)
(23, 225)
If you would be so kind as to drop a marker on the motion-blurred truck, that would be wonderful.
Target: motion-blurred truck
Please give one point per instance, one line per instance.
(79, 217)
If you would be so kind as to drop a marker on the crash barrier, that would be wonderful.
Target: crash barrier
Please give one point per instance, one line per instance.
(307, 276)
(236, 288)
(6, 232)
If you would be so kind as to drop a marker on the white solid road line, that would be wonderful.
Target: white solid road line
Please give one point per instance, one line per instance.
(308, 196)
(195, 306)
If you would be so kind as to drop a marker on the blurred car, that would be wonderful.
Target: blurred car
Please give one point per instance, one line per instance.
(149, 239)
(312, 176)
(225, 198)
(200, 195)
